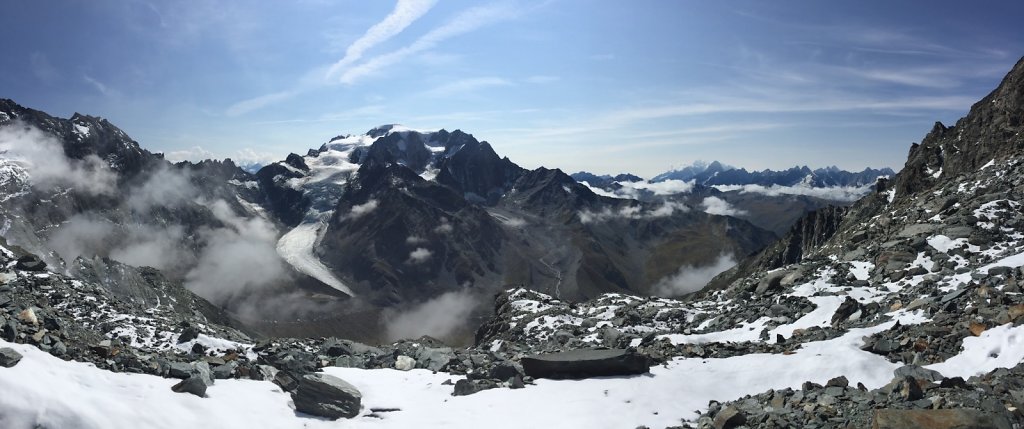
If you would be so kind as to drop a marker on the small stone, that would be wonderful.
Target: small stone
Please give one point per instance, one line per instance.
(28, 315)
(977, 328)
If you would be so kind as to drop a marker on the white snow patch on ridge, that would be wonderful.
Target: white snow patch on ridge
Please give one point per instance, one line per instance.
(296, 247)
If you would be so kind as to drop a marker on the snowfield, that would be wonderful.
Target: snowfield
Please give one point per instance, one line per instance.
(60, 394)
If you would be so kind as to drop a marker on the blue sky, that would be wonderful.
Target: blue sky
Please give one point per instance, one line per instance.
(638, 86)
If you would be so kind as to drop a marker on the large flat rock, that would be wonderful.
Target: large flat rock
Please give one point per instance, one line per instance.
(586, 363)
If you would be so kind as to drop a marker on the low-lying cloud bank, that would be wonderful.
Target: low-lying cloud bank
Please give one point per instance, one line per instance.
(632, 190)
(718, 206)
(835, 193)
(42, 156)
(690, 279)
(667, 208)
(231, 255)
(439, 317)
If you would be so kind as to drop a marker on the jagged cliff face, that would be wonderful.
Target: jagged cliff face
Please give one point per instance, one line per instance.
(945, 177)
(989, 132)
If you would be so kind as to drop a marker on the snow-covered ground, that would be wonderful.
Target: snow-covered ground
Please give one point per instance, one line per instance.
(55, 393)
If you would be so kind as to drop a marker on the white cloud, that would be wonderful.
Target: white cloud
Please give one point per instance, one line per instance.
(718, 206)
(419, 255)
(194, 153)
(237, 259)
(42, 155)
(632, 190)
(405, 13)
(835, 193)
(465, 22)
(632, 212)
(438, 317)
(100, 87)
(466, 85)
(360, 210)
(444, 227)
(255, 103)
(164, 188)
(689, 279)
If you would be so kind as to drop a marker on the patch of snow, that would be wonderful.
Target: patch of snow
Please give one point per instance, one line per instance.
(999, 347)
(83, 131)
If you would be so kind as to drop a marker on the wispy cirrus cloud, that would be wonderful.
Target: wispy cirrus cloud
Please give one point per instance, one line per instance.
(466, 85)
(100, 87)
(465, 22)
(256, 103)
(405, 13)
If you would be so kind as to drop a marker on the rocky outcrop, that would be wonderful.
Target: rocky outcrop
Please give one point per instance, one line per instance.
(810, 232)
(991, 131)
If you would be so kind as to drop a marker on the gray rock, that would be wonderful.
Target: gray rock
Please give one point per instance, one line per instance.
(225, 371)
(918, 373)
(328, 396)
(585, 363)
(728, 418)
(202, 369)
(194, 385)
(9, 357)
(468, 387)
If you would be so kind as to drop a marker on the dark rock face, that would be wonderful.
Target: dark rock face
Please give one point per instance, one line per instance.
(459, 240)
(990, 131)
(810, 232)
(9, 357)
(328, 396)
(288, 204)
(585, 363)
(474, 169)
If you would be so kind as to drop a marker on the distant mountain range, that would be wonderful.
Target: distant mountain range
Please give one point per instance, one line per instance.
(716, 173)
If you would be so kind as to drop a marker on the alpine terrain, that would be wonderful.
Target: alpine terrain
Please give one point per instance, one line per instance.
(139, 293)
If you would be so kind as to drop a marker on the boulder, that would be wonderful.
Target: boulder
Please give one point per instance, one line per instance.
(194, 385)
(30, 263)
(918, 372)
(960, 418)
(585, 363)
(771, 281)
(9, 357)
(845, 310)
(328, 396)
(729, 417)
